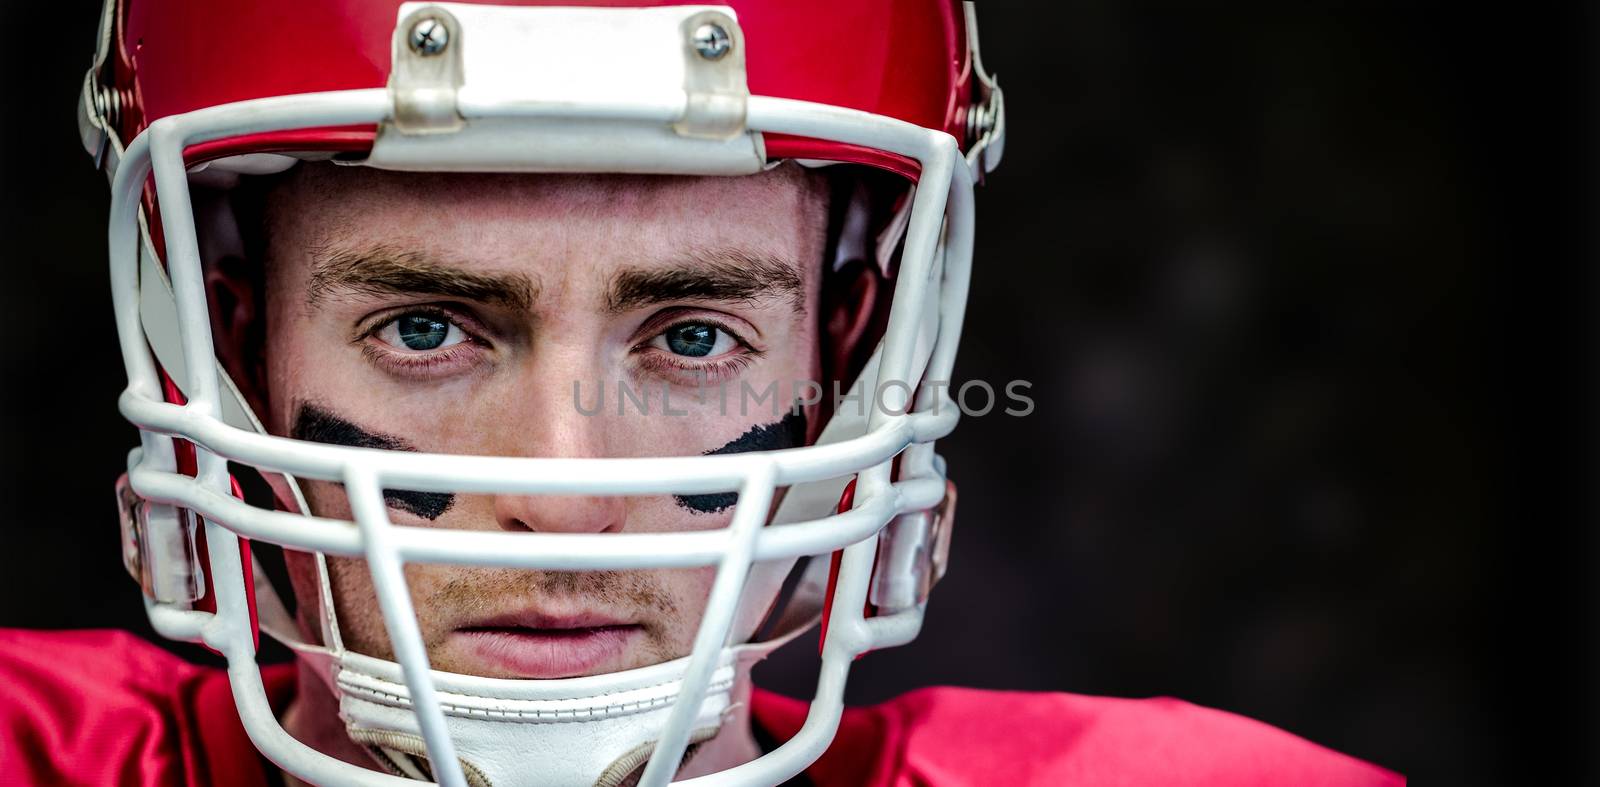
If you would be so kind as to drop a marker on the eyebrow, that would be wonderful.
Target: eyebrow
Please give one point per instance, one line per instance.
(710, 275)
(387, 270)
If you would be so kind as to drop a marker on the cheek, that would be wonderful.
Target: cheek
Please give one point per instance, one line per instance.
(690, 590)
(355, 602)
(661, 514)
(286, 350)
(361, 624)
(302, 570)
(303, 362)
(326, 499)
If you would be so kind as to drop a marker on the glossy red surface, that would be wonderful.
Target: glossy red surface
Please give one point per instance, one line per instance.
(846, 501)
(905, 59)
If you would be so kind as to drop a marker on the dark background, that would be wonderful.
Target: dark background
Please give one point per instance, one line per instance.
(1306, 294)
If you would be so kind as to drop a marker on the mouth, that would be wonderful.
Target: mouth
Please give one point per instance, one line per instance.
(533, 645)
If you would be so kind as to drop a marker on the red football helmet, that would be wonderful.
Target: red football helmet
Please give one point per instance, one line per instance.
(190, 94)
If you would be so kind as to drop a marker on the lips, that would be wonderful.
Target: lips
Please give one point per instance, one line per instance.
(536, 645)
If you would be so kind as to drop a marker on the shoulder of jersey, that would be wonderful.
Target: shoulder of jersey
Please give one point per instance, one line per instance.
(967, 736)
(86, 705)
(956, 736)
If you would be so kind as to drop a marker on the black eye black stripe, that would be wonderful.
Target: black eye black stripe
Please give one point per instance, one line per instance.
(788, 432)
(314, 424)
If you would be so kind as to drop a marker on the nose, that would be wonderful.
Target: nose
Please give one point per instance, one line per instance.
(544, 422)
(560, 513)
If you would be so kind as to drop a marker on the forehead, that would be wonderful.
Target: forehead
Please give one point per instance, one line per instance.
(780, 211)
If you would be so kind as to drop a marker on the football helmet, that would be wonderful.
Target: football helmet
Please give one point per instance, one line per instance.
(185, 94)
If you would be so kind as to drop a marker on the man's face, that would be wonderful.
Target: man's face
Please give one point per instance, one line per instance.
(456, 314)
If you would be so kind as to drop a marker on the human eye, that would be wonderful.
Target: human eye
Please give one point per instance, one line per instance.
(420, 332)
(696, 340)
(422, 343)
(695, 349)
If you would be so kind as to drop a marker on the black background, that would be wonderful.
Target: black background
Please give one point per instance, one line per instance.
(1305, 291)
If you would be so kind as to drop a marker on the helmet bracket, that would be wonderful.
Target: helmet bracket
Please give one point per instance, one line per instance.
(427, 72)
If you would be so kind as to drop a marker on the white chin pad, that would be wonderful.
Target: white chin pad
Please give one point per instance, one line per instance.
(530, 732)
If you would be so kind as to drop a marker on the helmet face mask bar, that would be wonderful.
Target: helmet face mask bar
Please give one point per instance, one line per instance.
(454, 106)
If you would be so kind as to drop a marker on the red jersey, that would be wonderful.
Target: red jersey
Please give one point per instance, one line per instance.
(107, 708)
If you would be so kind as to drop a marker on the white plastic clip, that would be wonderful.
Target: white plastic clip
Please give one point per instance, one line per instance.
(913, 553)
(158, 547)
(713, 77)
(427, 72)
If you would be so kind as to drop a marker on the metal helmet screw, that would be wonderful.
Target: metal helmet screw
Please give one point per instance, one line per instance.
(429, 36)
(711, 41)
(980, 121)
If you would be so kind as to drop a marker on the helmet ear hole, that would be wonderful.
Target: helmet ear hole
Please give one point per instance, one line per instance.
(864, 206)
(850, 298)
(233, 292)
